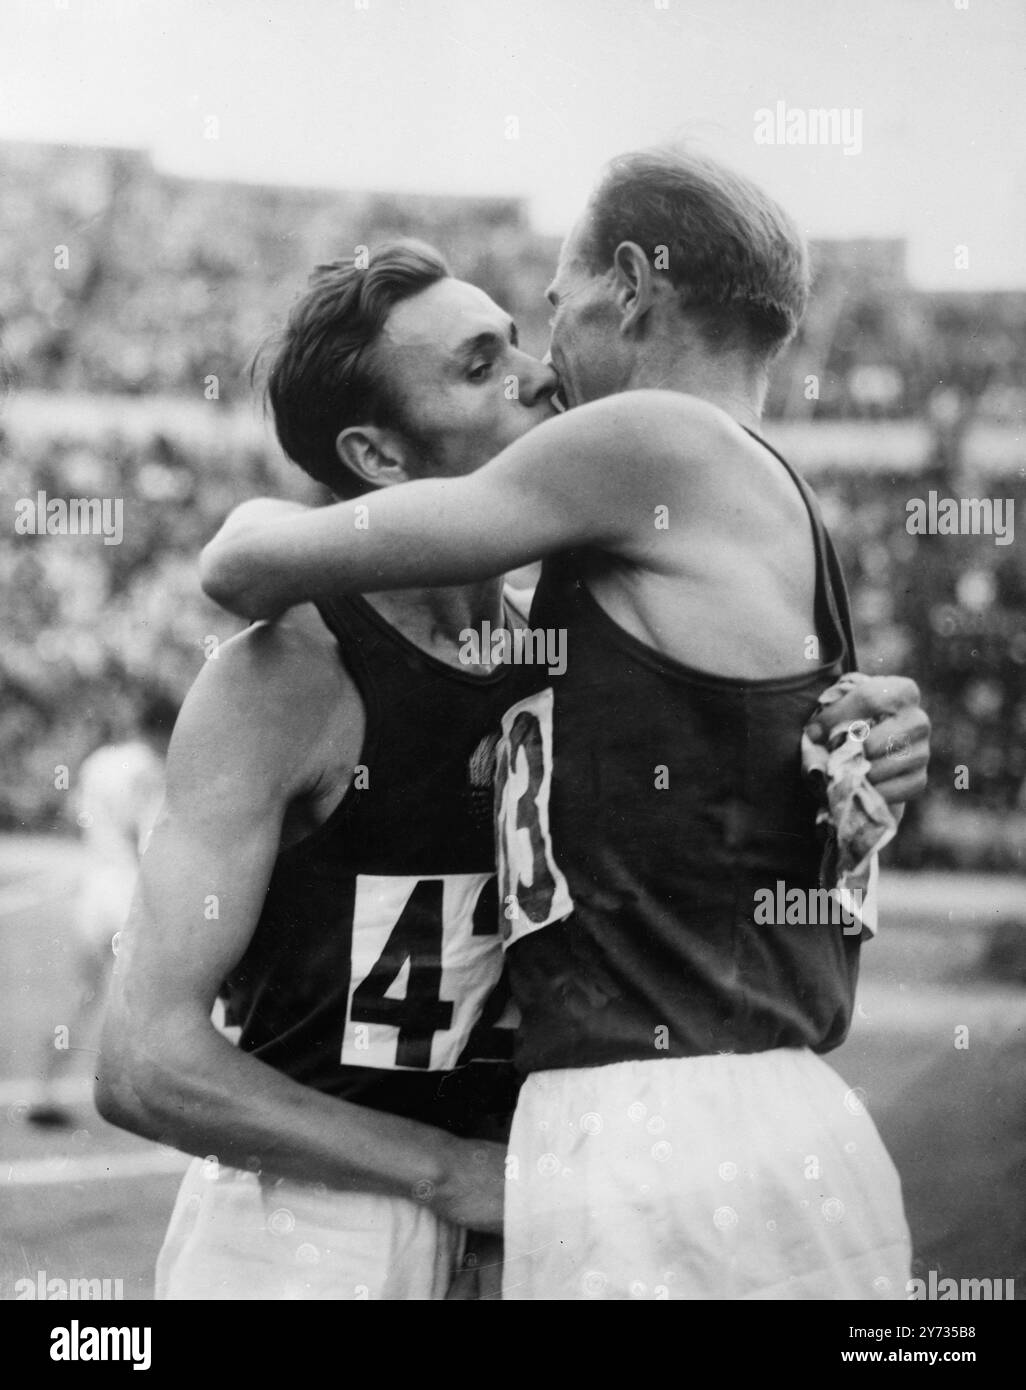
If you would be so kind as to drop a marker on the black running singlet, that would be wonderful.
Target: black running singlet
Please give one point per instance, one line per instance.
(641, 805)
(375, 973)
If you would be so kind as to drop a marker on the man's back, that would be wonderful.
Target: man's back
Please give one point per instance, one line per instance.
(720, 570)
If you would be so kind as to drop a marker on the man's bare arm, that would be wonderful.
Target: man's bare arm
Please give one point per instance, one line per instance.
(240, 753)
(589, 477)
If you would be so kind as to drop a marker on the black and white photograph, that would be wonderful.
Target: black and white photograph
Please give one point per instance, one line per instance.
(513, 663)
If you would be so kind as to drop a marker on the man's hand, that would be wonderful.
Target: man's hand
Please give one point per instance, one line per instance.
(472, 1191)
(898, 746)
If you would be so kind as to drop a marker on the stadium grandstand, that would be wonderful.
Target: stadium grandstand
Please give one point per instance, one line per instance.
(131, 303)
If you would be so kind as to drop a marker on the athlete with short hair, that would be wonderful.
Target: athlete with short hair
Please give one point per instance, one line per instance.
(678, 1135)
(325, 859)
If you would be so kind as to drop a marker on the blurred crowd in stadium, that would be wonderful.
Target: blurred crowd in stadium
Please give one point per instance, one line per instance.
(129, 355)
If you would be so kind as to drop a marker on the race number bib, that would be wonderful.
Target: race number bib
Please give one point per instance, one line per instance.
(425, 962)
(533, 892)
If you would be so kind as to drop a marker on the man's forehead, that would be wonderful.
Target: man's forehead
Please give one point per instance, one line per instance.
(444, 316)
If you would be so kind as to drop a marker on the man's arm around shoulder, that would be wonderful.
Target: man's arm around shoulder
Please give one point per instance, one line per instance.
(586, 478)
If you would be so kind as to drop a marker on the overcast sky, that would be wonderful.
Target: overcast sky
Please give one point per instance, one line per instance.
(418, 95)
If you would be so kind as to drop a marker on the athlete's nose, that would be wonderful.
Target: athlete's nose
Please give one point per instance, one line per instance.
(541, 382)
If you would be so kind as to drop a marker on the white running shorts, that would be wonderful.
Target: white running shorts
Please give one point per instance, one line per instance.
(234, 1235)
(722, 1177)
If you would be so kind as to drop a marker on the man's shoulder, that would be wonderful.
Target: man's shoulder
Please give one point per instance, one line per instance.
(293, 649)
(657, 405)
(661, 426)
(278, 680)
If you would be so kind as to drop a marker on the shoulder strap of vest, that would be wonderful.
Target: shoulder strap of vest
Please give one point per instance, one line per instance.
(359, 640)
(831, 606)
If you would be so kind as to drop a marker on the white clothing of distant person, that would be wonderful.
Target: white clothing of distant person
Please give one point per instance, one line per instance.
(120, 789)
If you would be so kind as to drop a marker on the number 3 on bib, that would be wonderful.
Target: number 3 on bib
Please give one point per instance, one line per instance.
(533, 892)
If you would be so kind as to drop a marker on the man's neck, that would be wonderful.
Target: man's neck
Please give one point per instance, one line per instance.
(728, 382)
(432, 619)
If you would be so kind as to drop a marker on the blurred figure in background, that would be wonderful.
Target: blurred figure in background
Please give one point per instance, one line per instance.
(117, 795)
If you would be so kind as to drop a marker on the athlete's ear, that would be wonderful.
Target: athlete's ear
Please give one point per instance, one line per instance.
(377, 456)
(634, 284)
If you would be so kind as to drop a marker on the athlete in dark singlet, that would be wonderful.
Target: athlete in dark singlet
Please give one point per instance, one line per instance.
(372, 973)
(641, 853)
(324, 859)
(680, 1137)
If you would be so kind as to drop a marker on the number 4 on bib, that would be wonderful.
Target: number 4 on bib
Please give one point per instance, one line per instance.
(425, 960)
